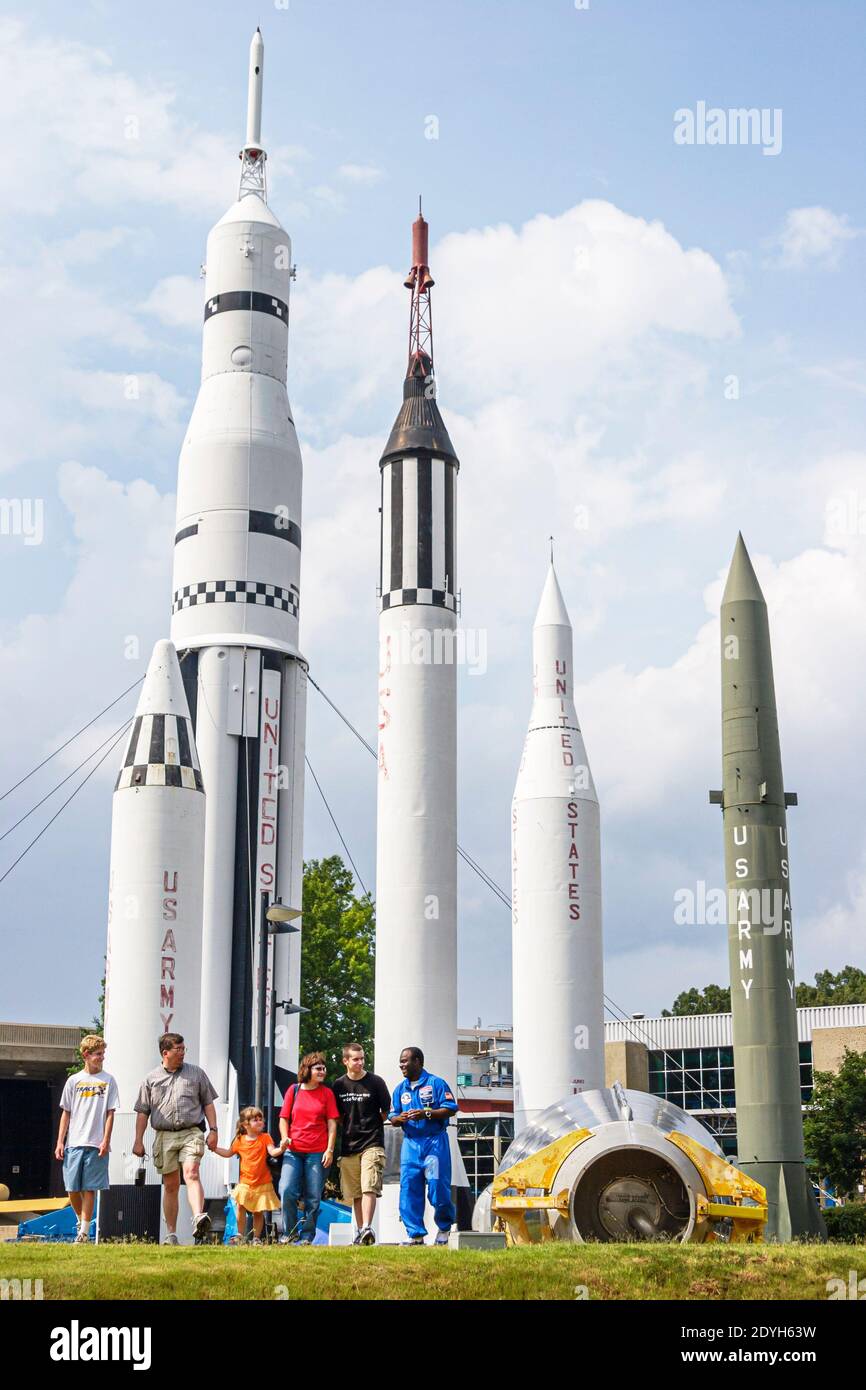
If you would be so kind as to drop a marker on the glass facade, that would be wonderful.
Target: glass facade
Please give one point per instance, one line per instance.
(483, 1140)
(702, 1079)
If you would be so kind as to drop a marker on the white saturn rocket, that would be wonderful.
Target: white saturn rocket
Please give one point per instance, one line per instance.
(416, 835)
(153, 962)
(236, 593)
(556, 886)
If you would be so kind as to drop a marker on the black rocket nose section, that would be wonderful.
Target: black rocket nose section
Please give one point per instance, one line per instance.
(419, 426)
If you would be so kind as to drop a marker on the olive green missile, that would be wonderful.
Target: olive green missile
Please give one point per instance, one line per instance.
(760, 939)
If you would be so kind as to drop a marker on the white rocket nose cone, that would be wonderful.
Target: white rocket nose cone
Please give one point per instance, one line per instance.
(160, 750)
(163, 692)
(552, 611)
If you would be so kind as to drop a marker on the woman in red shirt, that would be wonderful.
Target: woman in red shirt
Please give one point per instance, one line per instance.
(308, 1120)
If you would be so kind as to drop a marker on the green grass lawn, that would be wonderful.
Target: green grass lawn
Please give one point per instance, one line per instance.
(552, 1272)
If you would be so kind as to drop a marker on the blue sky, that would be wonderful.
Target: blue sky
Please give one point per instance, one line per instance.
(597, 287)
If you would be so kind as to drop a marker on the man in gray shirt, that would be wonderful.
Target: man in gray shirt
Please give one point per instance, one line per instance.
(177, 1096)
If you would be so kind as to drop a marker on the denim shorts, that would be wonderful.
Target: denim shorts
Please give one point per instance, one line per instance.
(84, 1170)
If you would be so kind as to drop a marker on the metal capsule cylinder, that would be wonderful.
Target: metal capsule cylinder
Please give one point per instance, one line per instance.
(619, 1168)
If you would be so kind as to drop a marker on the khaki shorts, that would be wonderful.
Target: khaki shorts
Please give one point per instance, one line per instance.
(360, 1173)
(174, 1147)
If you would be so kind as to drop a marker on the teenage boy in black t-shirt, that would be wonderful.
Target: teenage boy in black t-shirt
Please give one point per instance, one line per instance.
(363, 1101)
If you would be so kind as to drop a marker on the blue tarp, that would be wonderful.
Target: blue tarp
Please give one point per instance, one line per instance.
(54, 1225)
(329, 1212)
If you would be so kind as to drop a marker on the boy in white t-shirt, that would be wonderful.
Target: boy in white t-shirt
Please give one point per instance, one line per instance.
(87, 1109)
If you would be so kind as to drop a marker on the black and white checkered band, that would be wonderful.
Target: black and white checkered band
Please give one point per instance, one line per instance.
(161, 752)
(246, 299)
(159, 775)
(237, 591)
(437, 598)
(262, 523)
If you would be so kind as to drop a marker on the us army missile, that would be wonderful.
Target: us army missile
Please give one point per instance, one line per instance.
(556, 886)
(760, 935)
(153, 965)
(235, 609)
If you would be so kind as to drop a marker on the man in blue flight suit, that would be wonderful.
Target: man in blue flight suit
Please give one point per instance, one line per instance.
(421, 1106)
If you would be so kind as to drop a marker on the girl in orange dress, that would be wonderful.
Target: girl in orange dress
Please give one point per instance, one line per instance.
(255, 1190)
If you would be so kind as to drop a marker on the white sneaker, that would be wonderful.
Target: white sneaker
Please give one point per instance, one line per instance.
(200, 1225)
(367, 1236)
(171, 1239)
(442, 1237)
(82, 1238)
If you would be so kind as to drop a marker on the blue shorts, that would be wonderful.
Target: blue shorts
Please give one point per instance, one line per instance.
(84, 1170)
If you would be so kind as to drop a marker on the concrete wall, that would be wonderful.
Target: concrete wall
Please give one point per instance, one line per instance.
(627, 1062)
(828, 1046)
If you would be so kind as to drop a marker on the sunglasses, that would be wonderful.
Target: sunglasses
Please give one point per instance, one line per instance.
(319, 1066)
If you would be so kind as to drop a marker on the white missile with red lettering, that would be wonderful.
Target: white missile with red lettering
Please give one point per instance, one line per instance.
(416, 864)
(556, 886)
(153, 964)
(236, 598)
(416, 832)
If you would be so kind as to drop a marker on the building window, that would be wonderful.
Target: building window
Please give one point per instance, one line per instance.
(483, 1140)
(805, 1072)
(694, 1078)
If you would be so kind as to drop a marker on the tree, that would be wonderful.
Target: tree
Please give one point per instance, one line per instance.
(713, 999)
(848, 987)
(337, 956)
(834, 1126)
(96, 1025)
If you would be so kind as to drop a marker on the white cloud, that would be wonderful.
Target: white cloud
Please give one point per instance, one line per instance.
(328, 197)
(840, 926)
(55, 667)
(608, 294)
(98, 135)
(364, 174)
(54, 317)
(592, 303)
(847, 375)
(813, 236)
(178, 301)
(135, 393)
(90, 245)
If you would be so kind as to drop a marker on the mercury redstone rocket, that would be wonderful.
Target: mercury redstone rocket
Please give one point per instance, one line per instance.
(556, 887)
(416, 844)
(760, 937)
(236, 595)
(153, 961)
